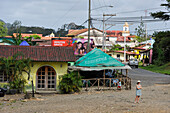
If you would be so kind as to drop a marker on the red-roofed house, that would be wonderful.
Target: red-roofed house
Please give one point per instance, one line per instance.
(24, 34)
(95, 34)
(129, 41)
(48, 64)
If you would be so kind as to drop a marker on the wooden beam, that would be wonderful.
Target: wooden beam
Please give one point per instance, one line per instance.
(104, 78)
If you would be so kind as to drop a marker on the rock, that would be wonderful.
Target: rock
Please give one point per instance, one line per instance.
(5, 99)
(165, 92)
(27, 96)
(133, 105)
(25, 100)
(12, 100)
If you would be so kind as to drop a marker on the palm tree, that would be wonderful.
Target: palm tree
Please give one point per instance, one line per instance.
(14, 66)
(6, 65)
(14, 69)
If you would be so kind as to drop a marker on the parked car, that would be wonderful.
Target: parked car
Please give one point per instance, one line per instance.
(134, 62)
(2, 92)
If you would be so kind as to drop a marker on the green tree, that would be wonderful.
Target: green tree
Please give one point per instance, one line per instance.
(29, 39)
(162, 14)
(116, 47)
(14, 68)
(3, 29)
(15, 27)
(161, 48)
(141, 32)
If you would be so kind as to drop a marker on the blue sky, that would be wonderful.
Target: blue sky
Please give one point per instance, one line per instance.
(55, 13)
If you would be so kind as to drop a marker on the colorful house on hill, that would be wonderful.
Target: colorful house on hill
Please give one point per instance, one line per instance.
(138, 50)
(26, 35)
(120, 55)
(49, 63)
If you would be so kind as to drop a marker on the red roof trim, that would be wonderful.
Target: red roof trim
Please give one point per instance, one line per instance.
(127, 52)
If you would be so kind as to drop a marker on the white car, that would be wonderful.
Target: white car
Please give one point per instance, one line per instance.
(133, 62)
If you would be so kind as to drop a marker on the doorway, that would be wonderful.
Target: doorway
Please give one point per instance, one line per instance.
(46, 78)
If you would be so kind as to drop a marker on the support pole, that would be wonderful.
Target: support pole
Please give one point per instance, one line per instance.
(110, 83)
(103, 33)
(124, 49)
(98, 83)
(89, 22)
(32, 88)
(104, 78)
(126, 79)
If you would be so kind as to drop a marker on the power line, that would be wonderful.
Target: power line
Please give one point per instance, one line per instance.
(65, 13)
(138, 17)
(139, 10)
(132, 11)
(152, 30)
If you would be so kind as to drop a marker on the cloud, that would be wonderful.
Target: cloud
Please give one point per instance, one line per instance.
(55, 13)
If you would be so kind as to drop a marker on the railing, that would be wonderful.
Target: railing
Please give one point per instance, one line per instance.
(106, 83)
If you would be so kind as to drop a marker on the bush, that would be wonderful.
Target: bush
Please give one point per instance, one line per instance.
(18, 83)
(70, 83)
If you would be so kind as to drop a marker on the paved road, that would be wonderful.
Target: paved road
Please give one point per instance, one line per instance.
(148, 78)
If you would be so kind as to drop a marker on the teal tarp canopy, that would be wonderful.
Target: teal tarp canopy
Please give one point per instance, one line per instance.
(97, 58)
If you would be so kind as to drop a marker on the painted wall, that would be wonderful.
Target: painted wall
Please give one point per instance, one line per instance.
(121, 56)
(59, 67)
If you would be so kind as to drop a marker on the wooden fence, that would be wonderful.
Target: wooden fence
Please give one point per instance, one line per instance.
(106, 83)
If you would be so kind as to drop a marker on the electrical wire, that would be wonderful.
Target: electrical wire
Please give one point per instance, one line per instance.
(132, 11)
(58, 20)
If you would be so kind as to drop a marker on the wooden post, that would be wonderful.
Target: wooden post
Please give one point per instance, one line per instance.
(110, 83)
(86, 84)
(104, 78)
(98, 83)
(32, 88)
(130, 84)
(126, 79)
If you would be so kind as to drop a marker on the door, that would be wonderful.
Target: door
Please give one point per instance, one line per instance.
(46, 78)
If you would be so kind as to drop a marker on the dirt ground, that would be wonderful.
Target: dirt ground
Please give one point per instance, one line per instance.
(154, 99)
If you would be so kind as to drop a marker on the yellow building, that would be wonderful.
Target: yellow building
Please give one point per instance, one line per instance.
(49, 63)
(119, 55)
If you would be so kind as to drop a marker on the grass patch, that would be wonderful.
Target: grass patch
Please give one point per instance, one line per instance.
(164, 69)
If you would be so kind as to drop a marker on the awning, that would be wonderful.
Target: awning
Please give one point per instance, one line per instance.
(97, 68)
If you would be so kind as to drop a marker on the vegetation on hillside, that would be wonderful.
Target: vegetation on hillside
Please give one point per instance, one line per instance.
(161, 48)
(3, 29)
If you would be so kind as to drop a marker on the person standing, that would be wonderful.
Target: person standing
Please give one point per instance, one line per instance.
(138, 91)
(119, 85)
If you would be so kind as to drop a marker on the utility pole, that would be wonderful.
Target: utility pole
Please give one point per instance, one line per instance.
(89, 23)
(104, 36)
(124, 49)
(146, 26)
(103, 33)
